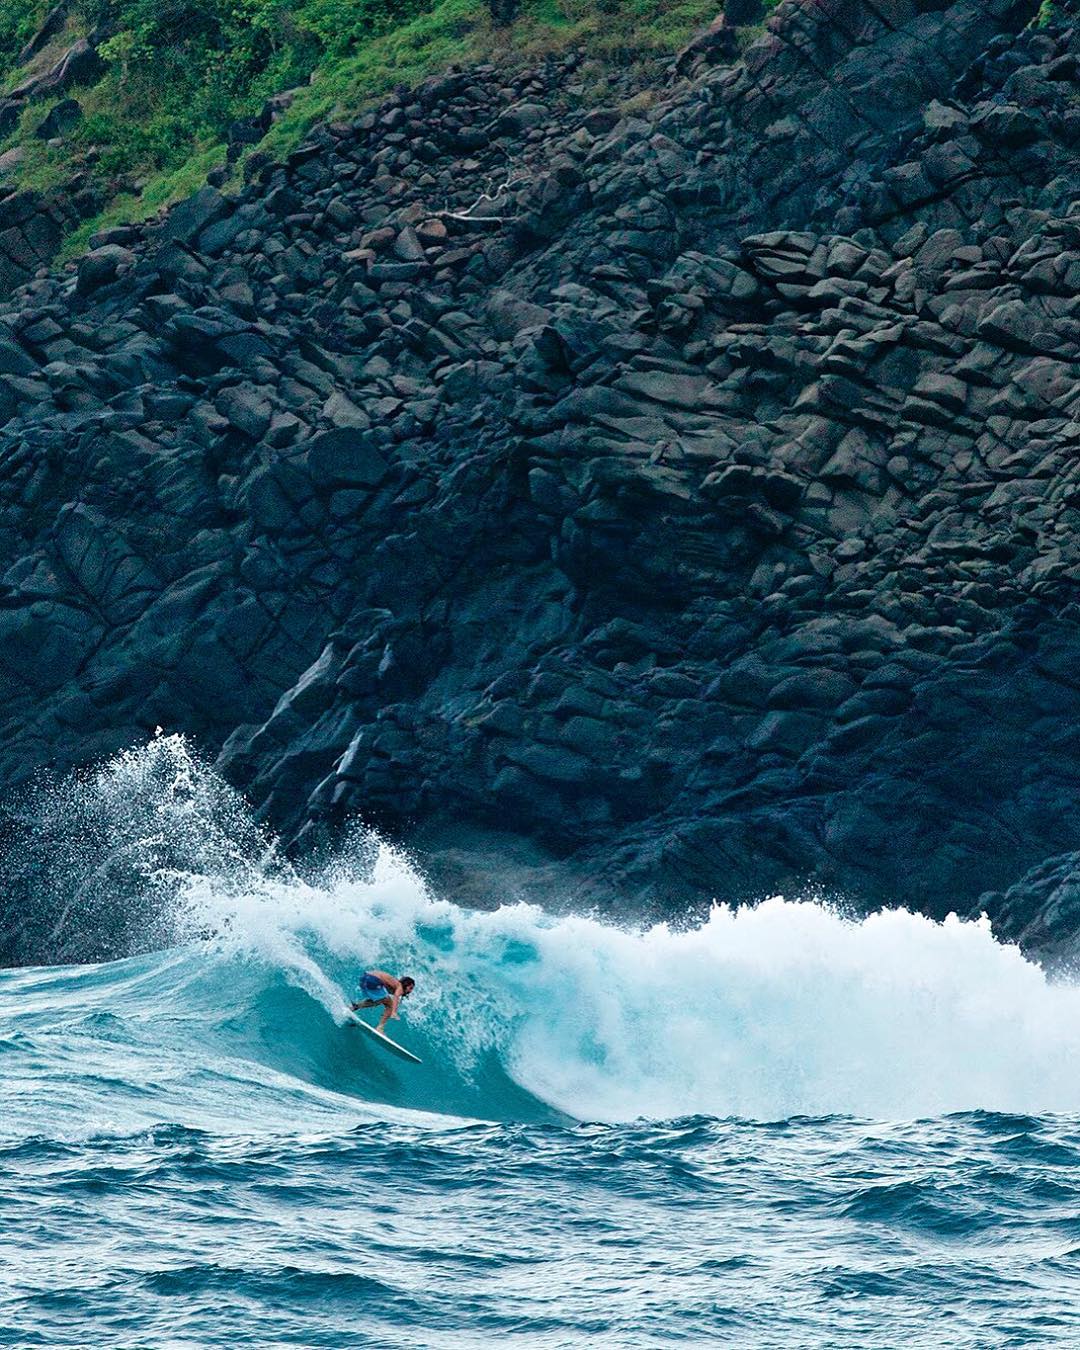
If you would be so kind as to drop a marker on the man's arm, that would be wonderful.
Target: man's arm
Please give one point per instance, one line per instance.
(391, 1009)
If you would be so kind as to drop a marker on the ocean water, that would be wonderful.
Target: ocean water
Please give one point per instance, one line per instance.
(779, 1127)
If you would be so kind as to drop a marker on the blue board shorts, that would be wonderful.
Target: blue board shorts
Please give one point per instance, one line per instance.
(371, 987)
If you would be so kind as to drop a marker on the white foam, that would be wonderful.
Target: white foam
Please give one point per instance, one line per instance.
(790, 1009)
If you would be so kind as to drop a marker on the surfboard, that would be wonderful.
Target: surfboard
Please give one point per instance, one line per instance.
(386, 1043)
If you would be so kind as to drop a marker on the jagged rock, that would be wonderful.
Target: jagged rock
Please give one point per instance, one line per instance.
(718, 42)
(521, 118)
(79, 65)
(50, 27)
(346, 458)
(1042, 910)
(14, 360)
(11, 110)
(1005, 125)
(191, 217)
(247, 409)
(407, 246)
(599, 121)
(511, 315)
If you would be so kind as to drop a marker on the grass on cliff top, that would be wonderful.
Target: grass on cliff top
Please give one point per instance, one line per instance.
(181, 72)
(619, 33)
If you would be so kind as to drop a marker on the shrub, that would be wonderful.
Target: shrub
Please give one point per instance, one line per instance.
(19, 21)
(181, 71)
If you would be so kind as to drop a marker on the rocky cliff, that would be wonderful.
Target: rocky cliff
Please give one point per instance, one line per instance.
(650, 506)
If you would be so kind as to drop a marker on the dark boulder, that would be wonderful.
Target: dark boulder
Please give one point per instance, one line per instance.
(346, 458)
(59, 120)
(103, 266)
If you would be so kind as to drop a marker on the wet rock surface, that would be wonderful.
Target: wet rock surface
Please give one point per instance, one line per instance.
(645, 508)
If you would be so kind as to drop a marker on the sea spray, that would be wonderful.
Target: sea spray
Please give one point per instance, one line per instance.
(91, 865)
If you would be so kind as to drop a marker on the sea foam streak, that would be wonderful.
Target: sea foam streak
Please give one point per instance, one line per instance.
(783, 1009)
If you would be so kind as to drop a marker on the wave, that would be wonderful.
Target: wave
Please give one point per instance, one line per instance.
(784, 1009)
(787, 1008)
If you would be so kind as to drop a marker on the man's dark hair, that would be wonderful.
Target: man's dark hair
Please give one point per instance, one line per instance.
(408, 983)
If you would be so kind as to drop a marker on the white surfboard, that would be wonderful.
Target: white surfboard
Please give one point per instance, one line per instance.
(386, 1043)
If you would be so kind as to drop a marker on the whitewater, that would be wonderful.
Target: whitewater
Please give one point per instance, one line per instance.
(777, 1126)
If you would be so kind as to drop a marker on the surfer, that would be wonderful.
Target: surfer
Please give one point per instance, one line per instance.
(377, 989)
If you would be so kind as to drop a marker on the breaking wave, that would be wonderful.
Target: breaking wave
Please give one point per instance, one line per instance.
(783, 1009)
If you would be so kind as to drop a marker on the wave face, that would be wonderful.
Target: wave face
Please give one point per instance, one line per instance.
(620, 1134)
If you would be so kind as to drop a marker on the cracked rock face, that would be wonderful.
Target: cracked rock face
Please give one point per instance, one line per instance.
(643, 508)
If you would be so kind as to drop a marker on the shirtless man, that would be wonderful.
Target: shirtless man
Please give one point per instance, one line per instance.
(379, 990)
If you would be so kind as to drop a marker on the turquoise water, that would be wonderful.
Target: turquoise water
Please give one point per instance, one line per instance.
(776, 1128)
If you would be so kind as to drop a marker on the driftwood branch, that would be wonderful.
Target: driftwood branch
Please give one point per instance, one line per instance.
(466, 216)
(471, 220)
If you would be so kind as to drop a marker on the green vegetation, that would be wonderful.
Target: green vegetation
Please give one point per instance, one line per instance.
(181, 73)
(19, 21)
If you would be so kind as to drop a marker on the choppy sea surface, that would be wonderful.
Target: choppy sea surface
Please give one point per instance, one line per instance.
(778, 1127)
